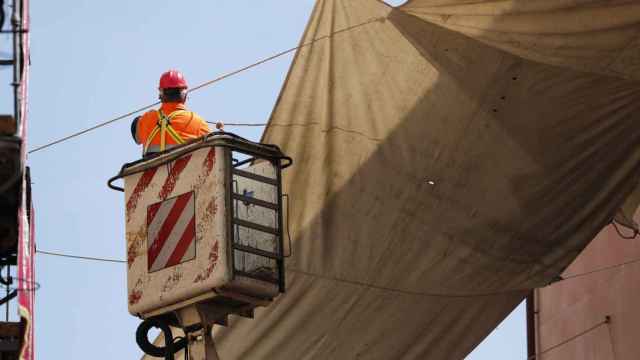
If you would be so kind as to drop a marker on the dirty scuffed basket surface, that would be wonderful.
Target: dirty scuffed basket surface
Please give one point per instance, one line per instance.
(197, 220)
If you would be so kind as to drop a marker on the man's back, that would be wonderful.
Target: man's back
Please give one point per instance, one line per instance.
(187, 124)
(172, 124)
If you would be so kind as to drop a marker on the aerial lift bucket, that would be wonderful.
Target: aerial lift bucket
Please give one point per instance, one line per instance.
(204, 234)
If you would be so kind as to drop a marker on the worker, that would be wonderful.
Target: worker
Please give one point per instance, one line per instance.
(172, 124)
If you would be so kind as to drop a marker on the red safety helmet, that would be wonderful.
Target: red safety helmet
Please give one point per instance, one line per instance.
(172, 79)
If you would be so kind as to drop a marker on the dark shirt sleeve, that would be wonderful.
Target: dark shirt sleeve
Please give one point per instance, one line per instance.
(134, 129)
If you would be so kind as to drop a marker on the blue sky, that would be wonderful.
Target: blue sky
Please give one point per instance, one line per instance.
(94, 60)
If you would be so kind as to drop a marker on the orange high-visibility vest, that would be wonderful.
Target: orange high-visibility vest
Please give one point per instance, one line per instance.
(169, 126)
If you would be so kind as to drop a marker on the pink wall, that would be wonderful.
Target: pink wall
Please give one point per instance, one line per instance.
(569, 307)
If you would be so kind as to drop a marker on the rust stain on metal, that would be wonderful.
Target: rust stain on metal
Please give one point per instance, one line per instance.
(136, 294)
(135, 297)
(173, 176)
(141, 186)
(213, 261)
(212, 208)
(207, 167)
(134, 244)
(171, 282)
(209, 213)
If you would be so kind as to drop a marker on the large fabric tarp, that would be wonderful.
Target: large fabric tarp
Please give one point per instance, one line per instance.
(440, 172)
(591, 35)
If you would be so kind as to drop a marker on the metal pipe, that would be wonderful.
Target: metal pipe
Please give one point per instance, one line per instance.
(8, 291)
(17, 62)
(531, 326)
(281, 271)
(2, 15)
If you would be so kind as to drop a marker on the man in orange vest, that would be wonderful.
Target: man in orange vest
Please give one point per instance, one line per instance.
(172, 124)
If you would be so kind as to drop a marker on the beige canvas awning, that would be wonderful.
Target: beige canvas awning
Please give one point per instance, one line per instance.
(444, 152)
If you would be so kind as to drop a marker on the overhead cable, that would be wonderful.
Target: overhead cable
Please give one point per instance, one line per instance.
(372, 286)
(80, 257)
(93, 128)
(207, 83)
(606, 320)
(237, 124)
(460, 295)
(611, 267)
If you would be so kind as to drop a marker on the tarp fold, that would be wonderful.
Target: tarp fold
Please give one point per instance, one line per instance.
(430, 170)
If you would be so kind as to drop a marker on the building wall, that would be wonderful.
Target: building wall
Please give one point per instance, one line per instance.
(572, 306)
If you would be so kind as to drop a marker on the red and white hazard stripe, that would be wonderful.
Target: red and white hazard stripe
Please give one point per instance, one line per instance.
(171, 232)
(171, 223)
(177, 168)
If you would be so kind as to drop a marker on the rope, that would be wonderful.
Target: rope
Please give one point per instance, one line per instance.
(210, 82)
(606, 320)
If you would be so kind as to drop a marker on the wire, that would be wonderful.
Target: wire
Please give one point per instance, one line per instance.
(30, 285)
(611, 267)
(461, 295)
(285, 52)
(93, 128)
(606, 320)
(171, 345)
(317, 276)
(626, 237)
(288, 232)
(238, 124)
(410, 292)
(210, 82)
(358, 283)
(80, 257)
(310, 274)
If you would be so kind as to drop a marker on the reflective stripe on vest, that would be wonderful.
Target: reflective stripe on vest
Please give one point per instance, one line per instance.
(163, 127)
